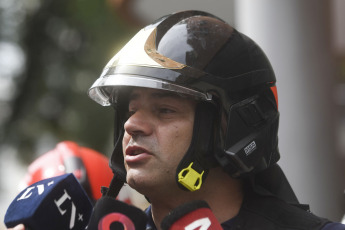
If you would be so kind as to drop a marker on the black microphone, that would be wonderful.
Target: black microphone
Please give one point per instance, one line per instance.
(111, 214)
(191, 216)
(57, 203)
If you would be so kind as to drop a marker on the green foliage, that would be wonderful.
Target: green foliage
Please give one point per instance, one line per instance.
(66, 43)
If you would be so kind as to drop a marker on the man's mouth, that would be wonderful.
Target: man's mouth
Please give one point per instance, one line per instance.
(136, 155)
(134, 151)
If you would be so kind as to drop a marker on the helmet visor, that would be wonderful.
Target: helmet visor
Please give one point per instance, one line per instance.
(128, 67)
(105, 90)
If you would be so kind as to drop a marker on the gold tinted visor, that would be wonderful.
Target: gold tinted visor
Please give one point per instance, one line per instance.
(104, 91)
(127, 68)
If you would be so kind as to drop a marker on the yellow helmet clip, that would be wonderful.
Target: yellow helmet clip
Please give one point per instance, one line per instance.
(190, 178)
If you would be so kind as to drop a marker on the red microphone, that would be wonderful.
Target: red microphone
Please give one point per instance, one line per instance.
(195, 215)
(111, 214)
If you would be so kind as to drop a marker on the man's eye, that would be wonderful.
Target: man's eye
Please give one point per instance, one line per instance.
(166, 110)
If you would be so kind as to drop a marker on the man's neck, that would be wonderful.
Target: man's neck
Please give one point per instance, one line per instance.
(222, 193)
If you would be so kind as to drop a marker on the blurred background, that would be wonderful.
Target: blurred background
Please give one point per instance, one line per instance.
(51, 51)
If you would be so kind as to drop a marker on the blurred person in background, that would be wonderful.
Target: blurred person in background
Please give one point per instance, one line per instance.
(91, 168)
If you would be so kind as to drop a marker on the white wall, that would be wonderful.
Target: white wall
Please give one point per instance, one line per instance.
(296, 37)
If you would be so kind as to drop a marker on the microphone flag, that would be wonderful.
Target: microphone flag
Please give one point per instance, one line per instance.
(57, 203)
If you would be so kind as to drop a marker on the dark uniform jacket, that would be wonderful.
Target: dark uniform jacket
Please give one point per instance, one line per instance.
(270, 213)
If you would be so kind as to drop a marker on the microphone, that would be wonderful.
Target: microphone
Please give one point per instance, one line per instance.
(191, 216)
(56, 203)
(111, 214)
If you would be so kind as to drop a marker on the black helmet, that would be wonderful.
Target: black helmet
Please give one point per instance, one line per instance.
(197, 54)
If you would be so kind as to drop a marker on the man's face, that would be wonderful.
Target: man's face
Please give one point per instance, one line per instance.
(157, 135)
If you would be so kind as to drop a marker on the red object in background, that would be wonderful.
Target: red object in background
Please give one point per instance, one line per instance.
(89, 167)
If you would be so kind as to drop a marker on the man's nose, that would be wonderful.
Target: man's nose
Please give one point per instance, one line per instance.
(139, 123)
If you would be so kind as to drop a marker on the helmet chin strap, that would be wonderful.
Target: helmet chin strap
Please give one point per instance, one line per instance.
(116, 161)
(194, 166)
(118, 168)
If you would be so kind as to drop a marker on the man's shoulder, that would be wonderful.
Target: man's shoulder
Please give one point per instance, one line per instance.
(270, 212)
(334, 226)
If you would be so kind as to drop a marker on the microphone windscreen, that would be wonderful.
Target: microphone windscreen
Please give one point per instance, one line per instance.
(111, 214)
(57, 203)
(191, 216)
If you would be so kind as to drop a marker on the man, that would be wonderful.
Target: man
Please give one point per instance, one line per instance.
(197, 119)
